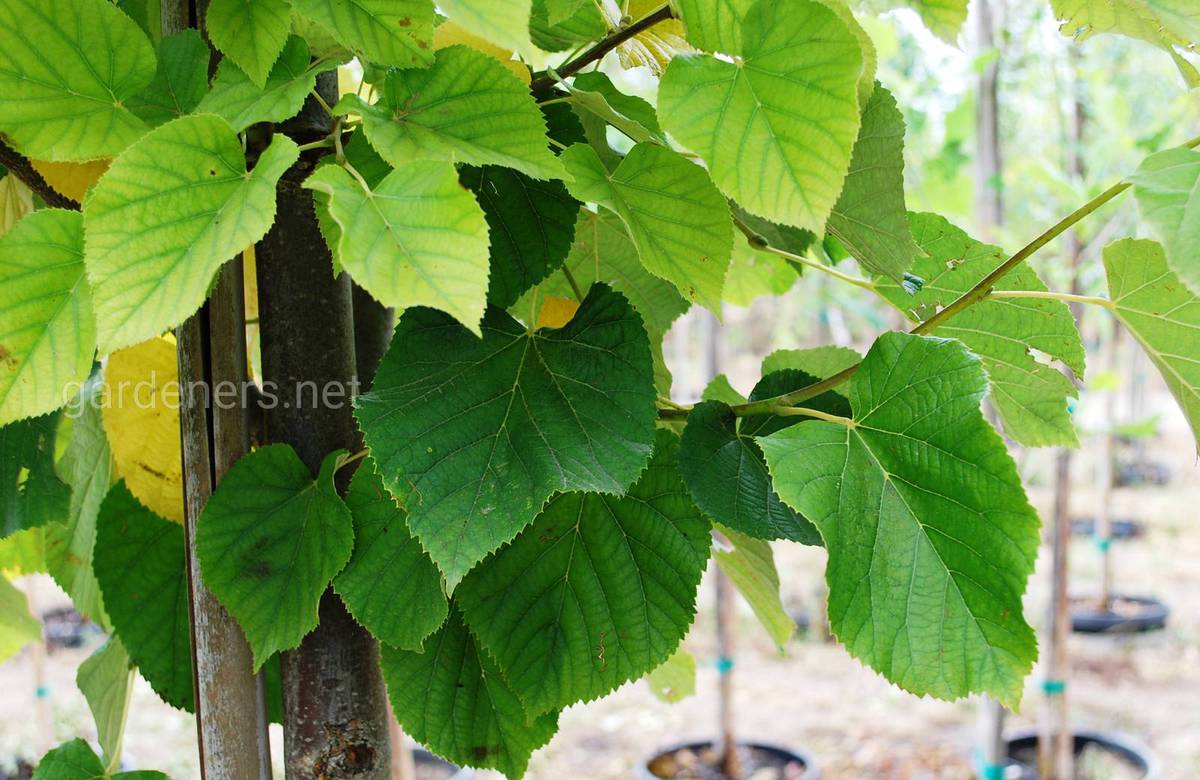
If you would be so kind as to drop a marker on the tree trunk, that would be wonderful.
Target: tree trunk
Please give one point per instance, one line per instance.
(335, 709)
(231, 715)
(730, 763)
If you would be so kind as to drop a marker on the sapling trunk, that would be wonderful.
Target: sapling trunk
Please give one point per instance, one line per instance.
(1104, 474)
(730, 763)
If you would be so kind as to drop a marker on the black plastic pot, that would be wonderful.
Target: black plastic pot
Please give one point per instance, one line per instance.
(1151, 615)
(18, 770)
(1121, 529)
(784, 756)
(1022, 751)
(66, 628)
(426, 761)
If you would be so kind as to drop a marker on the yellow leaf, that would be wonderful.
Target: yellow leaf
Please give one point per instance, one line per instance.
(652, 48)
(141, 420)
(69, 178)
(16, 200)
(450, 34)
(556, 312)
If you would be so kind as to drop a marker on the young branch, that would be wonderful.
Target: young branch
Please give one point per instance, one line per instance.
(18, 165)
(1053, 296)
(604, 46)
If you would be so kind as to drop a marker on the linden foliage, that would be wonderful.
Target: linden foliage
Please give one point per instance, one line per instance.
(533, 518)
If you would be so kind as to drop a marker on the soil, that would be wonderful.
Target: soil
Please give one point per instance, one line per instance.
(757, 764)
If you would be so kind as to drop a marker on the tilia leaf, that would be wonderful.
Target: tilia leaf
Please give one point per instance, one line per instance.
(1167, 187)
(250, 32)
(930, 536)
(397, 33)
(31, 494)
(473, 435)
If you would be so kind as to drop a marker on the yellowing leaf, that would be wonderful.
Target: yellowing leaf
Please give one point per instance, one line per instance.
(451, 34)
(141, 419)
(70, 178)
(654, 47)
(556, 312)
(16, 200)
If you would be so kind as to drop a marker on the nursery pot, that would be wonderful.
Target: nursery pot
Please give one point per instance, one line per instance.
(17, 769)
(1022, 752)
(431, 767)
(756, 756)
(1125, 615)
(1121, 529)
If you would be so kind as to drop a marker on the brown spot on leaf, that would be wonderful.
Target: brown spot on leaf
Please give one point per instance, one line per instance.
(405, 22)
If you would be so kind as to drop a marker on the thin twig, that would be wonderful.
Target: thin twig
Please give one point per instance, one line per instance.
(604, 46)
(1054, 296)
(18, 165)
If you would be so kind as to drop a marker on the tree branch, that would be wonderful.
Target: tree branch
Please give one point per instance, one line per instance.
(18, 165)
(661, 14)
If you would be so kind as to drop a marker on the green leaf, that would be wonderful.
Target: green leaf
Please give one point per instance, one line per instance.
(169, 212)
(585, 24)
(870, 218)
(504, 24)
(603, 252)
(753, 274)
(270, 540)
(139, 563)
(473, 435)
(398, 33)
(25, 551)
(785, 237)
(676, 219)
(821, 362)
(531, 225)
(67, 68)
(47, 332)
(241, 102)
(1162, 314)
(930, 536)
(17, 627)
(466, 108)
(1167, 188)
(251, 33)
(180, 82)
(1030, 395)
(75, 760)
(714, 25)
(721, 462)
(602, 104)
(776, 128)
(417, 239)
(720, 389)
(31, 494)
(1165, 23)
(750, 566)
(389, 585)
(87, 467)
(675, 679)
(454, 699)
(598, 591)
(106, 681)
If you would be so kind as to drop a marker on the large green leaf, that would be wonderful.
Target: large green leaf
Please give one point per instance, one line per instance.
(675, 678)
(270, 540)
(31, 494)
(454, 699)
(1165, 23)
(818, 361)
(750, 566)
(87, 467)
(398, 33)
(106, 680)
(676, 219)
(67, 69)
(389, 585)
(598, 591)
(753, 274)
(776, 127)
(531, 224)
(870, 218)
(930, 536)
(723, 467)
(1162, 314)
(139, 563)
(47, 332)
(714, 25)
(169, 212)
(415, 239)
(467, 108)
(241, 102)
(251, 33)
(504, 24)
(17, 627)
(75, 760)
(1030, 395)
(180, 82)
(584, 24)
(473, 435)
(1167, 187)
